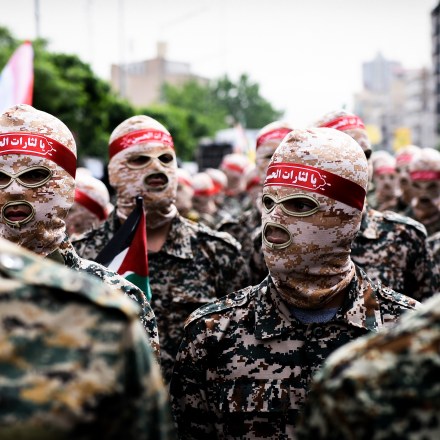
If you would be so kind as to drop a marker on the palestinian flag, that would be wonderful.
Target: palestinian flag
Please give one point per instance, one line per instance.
(126, 253)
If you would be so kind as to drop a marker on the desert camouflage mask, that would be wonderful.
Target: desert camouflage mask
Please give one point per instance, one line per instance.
(313, 198)
(143, 162)
(37, 184)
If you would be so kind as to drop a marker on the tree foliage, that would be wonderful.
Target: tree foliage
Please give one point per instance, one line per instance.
(67, 88)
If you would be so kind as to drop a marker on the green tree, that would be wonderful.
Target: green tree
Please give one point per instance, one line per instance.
(243, 102)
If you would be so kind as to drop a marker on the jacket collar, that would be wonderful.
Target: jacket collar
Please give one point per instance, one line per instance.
(360, 309)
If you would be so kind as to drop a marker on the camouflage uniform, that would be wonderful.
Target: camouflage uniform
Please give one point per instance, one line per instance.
(194, 266)
(75, 361)
(432, 226)
(434, 245)
(392, 249)
(67, 256)
(245, 362)
(381, 387)
(244, 230)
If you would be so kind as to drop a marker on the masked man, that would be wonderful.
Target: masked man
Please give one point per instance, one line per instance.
(189, 263)
(424, 171)
(246, 361)
(37, 188)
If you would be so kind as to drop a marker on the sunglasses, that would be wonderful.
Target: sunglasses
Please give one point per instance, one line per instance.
(30, 178)
(300, 205)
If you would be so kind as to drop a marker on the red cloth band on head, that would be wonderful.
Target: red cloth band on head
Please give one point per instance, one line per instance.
(184, 181)
(316, 180)
(92, 205)
(218, 186)
(205, 192)
(233, 167)
(280, 133)
(253, 182)
(404, 159)
(425, 175)
(140, 137)
(34, 144)
(384, 170)
(345, 123)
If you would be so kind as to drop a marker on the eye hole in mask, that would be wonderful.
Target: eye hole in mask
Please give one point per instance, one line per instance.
(141, 161)
(33, 177)
(300, 205)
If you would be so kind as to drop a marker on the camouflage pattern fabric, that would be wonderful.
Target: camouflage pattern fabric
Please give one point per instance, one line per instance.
(434, 245)
(67, 256)
(75, 361)
(432, 224)
(243, 230)
(245, 363)
(382, 387)
(392, 249)
(195, 266)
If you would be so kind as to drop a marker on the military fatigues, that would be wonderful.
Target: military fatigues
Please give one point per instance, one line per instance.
(245, 362)
(432, 225)
(67, 256)
(383, 387)
(194, 266)
(75, 362)
(392, 249)
(244, 229)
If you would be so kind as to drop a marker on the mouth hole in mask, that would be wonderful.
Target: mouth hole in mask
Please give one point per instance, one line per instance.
(276, 236)
(156, 181)
(17, 213)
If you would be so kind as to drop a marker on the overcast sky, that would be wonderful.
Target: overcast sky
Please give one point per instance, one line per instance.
(306, 54)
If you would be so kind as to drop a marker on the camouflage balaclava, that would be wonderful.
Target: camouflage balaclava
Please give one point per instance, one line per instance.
(37, 178)
(403, 158)
(384, 179)
(268, 139)
(143, 162)
(92, 204)
(234, 166)
(348, 123)
(313, 198)
(204, 193)
(424, 171)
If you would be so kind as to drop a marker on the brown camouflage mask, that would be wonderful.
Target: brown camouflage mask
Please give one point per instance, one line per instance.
(143, 162)
(313, 198)
(424, 172)
(403, 158)
(385, 179)
(91, 206)
(36, 178)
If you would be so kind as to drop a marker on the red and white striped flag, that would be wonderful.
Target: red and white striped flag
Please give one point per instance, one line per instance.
(17, 78)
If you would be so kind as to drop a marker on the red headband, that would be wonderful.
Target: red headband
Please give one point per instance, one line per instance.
(279, 134)
(34, 144)
(205, 192)
(345, 123)
(404, 158)
(384, 170)
(316, 180)
(140, 137)
(425, 175)
(92, 205)
(232, 167)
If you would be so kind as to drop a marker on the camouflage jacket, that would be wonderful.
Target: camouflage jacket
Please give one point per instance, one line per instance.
(432, 225)
(245, 363)
(434, 245)
(67, 256)
(195, 266)
(382, 387)
(75, 361)
(393, 249)
(244, 229)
